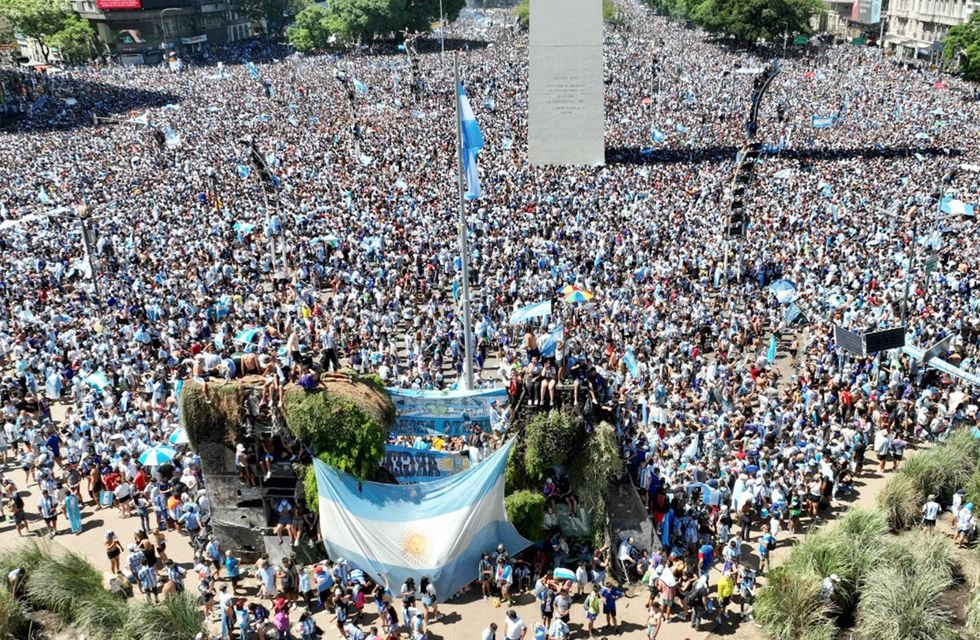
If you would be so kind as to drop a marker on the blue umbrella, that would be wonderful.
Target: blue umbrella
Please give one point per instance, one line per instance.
(179, 437)
(155, 456)
(561, 573)
(784, 290)
(98, 381)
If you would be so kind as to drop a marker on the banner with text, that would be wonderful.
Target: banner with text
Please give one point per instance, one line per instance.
(419, 465)
(420, 413)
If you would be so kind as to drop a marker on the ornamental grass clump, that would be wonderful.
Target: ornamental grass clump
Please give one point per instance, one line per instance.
(790, 606)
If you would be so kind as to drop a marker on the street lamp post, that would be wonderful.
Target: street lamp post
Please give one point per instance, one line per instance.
(442, 33)
(163, 30)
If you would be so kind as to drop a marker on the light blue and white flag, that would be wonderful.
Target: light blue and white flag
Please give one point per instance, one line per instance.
(771, 353)
(246, 336)
(243, 170)
(252, 69)
(956, 207)
(631, 364)
(550, 343)
(360, 87)
(438, 529)
(42, 196)
(171, 137)
(536, 310)
(472, 143)
(143, 118)
(657, 135)
(822, 122)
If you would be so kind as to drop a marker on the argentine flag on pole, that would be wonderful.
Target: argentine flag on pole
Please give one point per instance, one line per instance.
(472, 142)
(438, 529)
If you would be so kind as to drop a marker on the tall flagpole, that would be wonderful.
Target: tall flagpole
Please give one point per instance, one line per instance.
(464, 251)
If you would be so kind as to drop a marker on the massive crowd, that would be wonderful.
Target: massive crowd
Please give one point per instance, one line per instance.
(352, 262)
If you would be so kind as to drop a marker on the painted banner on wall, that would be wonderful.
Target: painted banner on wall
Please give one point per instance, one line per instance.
(420, 413)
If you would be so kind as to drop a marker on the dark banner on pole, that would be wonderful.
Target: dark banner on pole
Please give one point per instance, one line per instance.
(848, 340)
(884, 340)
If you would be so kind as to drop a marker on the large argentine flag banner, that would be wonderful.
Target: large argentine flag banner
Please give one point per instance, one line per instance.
(437, 529)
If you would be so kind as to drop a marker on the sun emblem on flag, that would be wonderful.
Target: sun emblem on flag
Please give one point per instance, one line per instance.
(415, 545)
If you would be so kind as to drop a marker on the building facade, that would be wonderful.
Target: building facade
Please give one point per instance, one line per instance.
(146, 31)
(916, 28)
(835, 19)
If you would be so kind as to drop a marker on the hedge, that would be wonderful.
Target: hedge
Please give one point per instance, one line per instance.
(525, 510)
(597, 463)
(338, 431)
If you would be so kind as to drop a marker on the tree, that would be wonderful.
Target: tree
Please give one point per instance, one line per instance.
(51, 23)
(276, 13)
(344, 21)
(310, 30)
(962, 46)
(610, 12)
(747, 20)
(74, 40)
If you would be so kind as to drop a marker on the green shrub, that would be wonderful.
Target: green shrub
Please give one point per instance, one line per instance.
(901, 502)
(62, 583)
(790, 606)
(973, 611)
(13, 624)
(895, 606)
(945, 468)
(551, 438)
(373, 380)
(597, 463)
(515, 475)
(102, 615)
(178, 617)
(919, 549)
(338, 431)
(25, 556)
(863, 526)
(850, 549)
(941, 470)
(973, 488)
(525, 510)
(309, 490)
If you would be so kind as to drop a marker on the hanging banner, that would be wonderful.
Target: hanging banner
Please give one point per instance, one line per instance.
(118, 5)
(394, 532)
(420, 413)
(419, 465)
(866, 11)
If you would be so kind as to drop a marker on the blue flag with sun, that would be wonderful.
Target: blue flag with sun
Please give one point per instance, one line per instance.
(436, 529)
